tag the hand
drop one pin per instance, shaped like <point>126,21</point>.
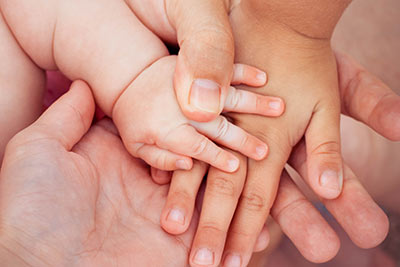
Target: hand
<point>153,127</point>
<point>74,196</point>
<point>291,209</point>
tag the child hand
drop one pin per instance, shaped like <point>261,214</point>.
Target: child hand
<point>154,128</point>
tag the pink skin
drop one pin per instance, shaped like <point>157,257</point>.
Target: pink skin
<point>92,143</point>
<point>92,206</point>
<point>111,59</point>
<point>153,127</point>
<point>363,220</point>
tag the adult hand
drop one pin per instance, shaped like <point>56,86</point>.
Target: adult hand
<point>364,97</point>
<point>74,196</point>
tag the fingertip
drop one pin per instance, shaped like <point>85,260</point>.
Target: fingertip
<point>261,152</point>
<point>270,106</point>
<point>277,105</point>
<point>173,220</point>
<point>184,164</point>
<point>330,184</point>
<point>160,177</point>
<point>262,240</point>
<point>248,75</point>
<point>233,164</point>
<point>387,117</point>
<point>379,229</point>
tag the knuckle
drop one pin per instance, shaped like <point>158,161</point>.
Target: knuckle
<point>219,156</point>
<point>254,201</point>
<point>244,234</point>
<point>199,146</point>
<point>244,141</point>
<point>237,96</point>
<point>220,185</point>
<point>181,195</point>
<point>329,148</point>
<point>212,228</point>
<point>215,37</point>
<point>278,142</point>
<point>222,128</point>
<point>162,161</point>
<point>135,149</point>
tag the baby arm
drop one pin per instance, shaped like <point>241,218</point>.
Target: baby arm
<point>21,88</point>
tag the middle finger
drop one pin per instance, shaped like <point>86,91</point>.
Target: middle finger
<point>220,199</point>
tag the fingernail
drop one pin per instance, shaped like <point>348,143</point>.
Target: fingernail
<point>182,164</point>
<point>233,261</point>
<point>176,215</point>
<point>261,151</point>
<point>159,173</point>
<point>332,180</point>
<point>233,164</point>
<point>275,105</point>
<point>205,95</point>
<point>204,256</point>
<point>261,77</point>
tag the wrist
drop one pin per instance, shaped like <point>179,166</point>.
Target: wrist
<point>314,19</point>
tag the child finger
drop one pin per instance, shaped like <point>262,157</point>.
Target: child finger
<point>225,133</point>
<point>160,158</point>
<point>324,160</point>
<point>159,176</point>
<point>248,75</point>
<point>243,101</point>
<point>187,141</point>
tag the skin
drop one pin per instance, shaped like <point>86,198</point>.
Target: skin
<point>165,134</point>
<point>79,164</point>
<point>109,59</point>
<point>289,53</point>
<point>91,207</point>
<point>321,243</point>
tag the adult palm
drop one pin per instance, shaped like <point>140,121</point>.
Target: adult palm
<point>68,200</point>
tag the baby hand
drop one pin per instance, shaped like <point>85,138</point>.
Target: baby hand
<point>153,127</point>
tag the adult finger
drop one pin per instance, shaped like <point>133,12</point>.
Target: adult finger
<point>178,210</point>
<point>363,220</point>
<point>366,98</point>
<point>263,240</point>
<point>303,224</point>
<point>254,205</point>
<point>219,203</point>
<point>68,119</point>
<point>205,62</point>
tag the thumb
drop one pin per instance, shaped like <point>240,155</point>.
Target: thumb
<point>205,62</point>
<point>68,119</point>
